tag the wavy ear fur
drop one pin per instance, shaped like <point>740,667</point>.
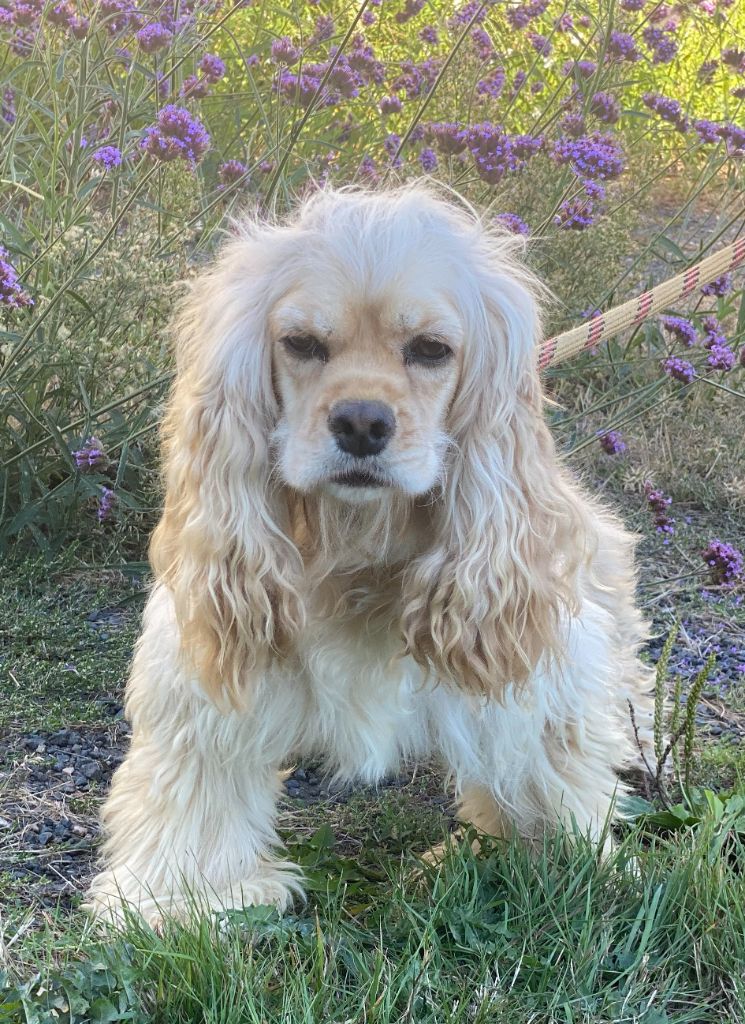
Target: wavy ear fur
<point>222,546</point>
<point>487,600</point>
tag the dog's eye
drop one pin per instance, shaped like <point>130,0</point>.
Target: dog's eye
<point>305,346</point>
<point>426,351</point>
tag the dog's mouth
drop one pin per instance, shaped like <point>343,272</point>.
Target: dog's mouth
<point>359,478</point>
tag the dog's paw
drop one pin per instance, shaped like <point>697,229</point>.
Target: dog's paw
<point>114,902</point>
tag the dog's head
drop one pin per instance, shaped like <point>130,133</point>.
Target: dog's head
<point>375,345</point>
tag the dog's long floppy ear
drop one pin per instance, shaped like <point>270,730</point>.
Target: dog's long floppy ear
<point>222,546</point>
<point>487,600</point>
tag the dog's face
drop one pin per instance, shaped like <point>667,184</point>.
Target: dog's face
<point>365,372</point>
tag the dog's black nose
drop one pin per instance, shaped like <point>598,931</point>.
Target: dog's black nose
<point>362,428</point>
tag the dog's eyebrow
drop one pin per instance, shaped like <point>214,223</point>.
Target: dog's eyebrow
<point>289,319</point>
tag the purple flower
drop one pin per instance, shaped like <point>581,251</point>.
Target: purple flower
<point>513,223</point>
<point>368,169</point>
<point>734,58</point>
<point>449,138</point>
<point>659,504</point>
<point>481,43</point>
<point>734,137</point>
<point>679,369</point>
<point>663,46</point>
<point>540,43</point>
<point>91,457</point>
<point>739,92</point>
<point>303,89</point>
<point>707,131</point>
<point>8,106</point>
<point>391,144</point>
<point>713,333</point>
<point>176,135</point>
<point>580,68</point>
<point>707,71</point>
<point>212,68</point>
<point>725,562</point>
<point>428,160</point>
<point>106,503</point>
<point>564,23</point>
<point>231,171</point>
<point>284,51</point>
<point>474,9</point>
<point>153,37</point>
<point>492,84</point>
<point>362,59</point>
<point>343,78</point>
<point>612,443</point>
<point>108,157</point>
<point>576,214</point>
<point>324,29</point>
<point>573,124</point>
<point>368,17</point>
<point>518,82</point>
<point>593,189</point>
<point>633,5</point>
<point>492,152</point>
<point>194,87</point>
<point>79,27</point>
<point>719,286</point>
<point>605,107</point>
<point>11,292</point>
<point>518,17</point>
<point>410,10</point>
<point>61,15</point>
<point>622,46</point>
<point>595,156</point>
<point>681,329</point>
<point>429,35</point>
<point>721,357</point>
<point>667,109</point>
<point>390,105</point>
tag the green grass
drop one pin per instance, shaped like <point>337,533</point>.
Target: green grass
<point>655,935</point>
<point>57,663</point>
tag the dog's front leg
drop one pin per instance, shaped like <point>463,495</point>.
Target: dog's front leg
<point>189,821</point>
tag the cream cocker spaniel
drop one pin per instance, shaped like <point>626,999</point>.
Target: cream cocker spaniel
<point>369,553</point>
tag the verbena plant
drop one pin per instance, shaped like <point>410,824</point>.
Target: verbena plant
<point>131,132</point>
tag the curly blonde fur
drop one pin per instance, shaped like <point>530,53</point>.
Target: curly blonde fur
<point>449,593</point>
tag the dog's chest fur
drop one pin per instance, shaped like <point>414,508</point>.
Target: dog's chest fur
<point>366,701</point>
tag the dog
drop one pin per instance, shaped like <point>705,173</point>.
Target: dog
<point>370,553</point>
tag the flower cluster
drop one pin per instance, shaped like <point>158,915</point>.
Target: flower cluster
<point>681,329</point>
<point>106,502</point>
<point>91,457</point>
<point>176,135</point>
<point>612,442</point>
<point>725,562</point>
<point>11,292</point>
<point>108,157</point>
<point>679,369</point>
<point>720,286</point>
<point>666,108</point>
<point>597,156</point>
<point>605,107</point>
<point>513,223</point>
<point>658,504</point>
<point>231,171</point>
<point>576,214</point>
